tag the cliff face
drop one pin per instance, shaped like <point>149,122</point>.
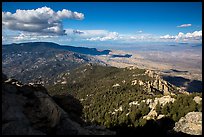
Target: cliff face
<point>157,84</point>
<point>29,110</point>
<point>190,124</point>
<point>161,85</point>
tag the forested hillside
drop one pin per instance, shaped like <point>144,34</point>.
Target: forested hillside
<point>129,97</point>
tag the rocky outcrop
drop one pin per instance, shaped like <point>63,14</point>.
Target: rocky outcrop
<point>151,115</point>
<point>161,85</point>
<point>160,116</point>
<point>162,101</point>
<point>190,124</point>
<point>152,104</point>
<point>197,99</point>
<point>157,84</point>
<point>116,85</point>
<point>30,110</point>
<point>14,121</point>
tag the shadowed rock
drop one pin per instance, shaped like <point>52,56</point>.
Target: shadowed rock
<point>30,110</point>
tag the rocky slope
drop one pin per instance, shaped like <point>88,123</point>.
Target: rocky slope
<point>92,98</point>
<point>191,124</point>
<point>125,97</point>
<point>86,98</point>
<point>42,62</point>
<point>30,110</point>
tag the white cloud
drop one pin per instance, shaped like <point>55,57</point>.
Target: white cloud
<point>27,37</point>
<point>109,36</point>
<point>140,31</point>
<point>184,25</point>
<point>69,14</point>
<point>83,36</point>
<point>92,35</point>
<point>105,35</point>
<point>42,20</point>
<point>194,36</point>
<point>167,37</point>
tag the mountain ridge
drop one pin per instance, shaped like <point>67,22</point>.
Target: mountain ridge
<point>82,50</point>
<point>32,62</point>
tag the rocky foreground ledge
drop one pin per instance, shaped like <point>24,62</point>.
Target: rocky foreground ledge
<point>30,110</point>
<point>190,124</point>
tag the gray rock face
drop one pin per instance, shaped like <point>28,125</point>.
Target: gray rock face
<point>14,121</point>
<point>190,124</point>
<point>159,84</point>
<point>29,110</point>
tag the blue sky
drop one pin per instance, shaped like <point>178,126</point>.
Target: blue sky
<point>105,22</point>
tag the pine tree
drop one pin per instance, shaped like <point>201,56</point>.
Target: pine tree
<point>165,109</point>
<point>158,108</point>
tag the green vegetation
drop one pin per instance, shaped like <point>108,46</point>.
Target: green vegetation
<point>104,103</point>
<point>107,92</point>
<point>158,108</point>
<point>182,105</point>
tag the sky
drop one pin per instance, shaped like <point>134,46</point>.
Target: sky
<point>102,23</point>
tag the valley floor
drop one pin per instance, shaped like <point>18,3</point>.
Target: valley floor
<point>182,69</point>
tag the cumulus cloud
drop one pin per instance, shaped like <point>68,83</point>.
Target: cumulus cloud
<point>194,36</point>
<point>109,36</point>
<point>92,35</point>
<point>184,25</point>
<point>32,37</point>
<point>42,20</point>
<point>105,35</point>
<point>167,37</point>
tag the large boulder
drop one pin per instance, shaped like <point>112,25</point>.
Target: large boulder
<point>30,110</point>
<point>191,124</point>
<point>197,99</point>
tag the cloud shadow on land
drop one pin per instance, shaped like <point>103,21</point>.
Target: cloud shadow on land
<point>175,80</point>
<point>192,86</point>
<point>195,85</point>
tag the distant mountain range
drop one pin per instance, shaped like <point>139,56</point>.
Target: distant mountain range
<point>44,61</point>
<point>34,45</point>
